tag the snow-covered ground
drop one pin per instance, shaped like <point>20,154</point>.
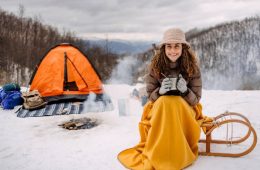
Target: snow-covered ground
<point>39,143</point>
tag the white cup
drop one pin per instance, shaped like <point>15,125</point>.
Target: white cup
<point>174,82</point>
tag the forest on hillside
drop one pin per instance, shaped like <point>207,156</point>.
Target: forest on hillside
<point>24,41</point>
<point>229,54</point>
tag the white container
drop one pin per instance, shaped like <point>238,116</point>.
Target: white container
<point>123,107</point>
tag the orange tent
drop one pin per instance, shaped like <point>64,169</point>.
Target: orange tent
<point>65,73</point>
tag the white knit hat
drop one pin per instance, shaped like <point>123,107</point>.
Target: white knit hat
<point>174,35</point>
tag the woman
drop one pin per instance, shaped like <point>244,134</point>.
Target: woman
<point>170,124</point>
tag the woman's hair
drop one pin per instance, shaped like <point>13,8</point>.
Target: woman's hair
<point>187,62</point>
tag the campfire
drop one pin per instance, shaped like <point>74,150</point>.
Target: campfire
<point>82,123</point>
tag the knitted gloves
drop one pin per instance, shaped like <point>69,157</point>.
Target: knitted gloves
<point>171,84</point>
<point>166,86</point>
<point>182,86</point>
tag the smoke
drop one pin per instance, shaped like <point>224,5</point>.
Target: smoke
<point>96,103</point>
<point>123,73</point>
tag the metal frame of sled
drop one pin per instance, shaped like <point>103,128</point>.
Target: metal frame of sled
<point>219,121</point>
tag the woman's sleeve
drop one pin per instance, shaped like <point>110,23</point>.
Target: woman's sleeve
<point>195,89</point>
<point>152,86</point>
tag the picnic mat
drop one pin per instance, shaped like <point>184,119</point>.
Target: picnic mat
<point>67,108</point>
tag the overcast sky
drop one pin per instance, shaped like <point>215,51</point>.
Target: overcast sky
<point>133,19</point>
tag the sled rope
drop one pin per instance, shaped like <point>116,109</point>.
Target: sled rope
<point>230,139</point>
<point>227,130</point>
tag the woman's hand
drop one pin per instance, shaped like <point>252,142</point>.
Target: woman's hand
<point>182,85</point>
<point>166,86</point>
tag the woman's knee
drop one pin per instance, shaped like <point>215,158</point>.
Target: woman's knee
<point>169,99</point>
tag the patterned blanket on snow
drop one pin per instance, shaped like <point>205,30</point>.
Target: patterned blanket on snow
<point>53,109</point>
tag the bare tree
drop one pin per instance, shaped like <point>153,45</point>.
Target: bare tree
<point>24,41</point>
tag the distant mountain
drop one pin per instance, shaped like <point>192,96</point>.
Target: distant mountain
<point>122,46</point>
<point>229,54</point>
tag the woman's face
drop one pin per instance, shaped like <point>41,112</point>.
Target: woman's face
<point>173,51</point>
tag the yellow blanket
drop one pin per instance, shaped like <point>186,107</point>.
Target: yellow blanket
<point>170,131</point>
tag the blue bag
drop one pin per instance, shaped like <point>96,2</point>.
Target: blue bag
<point>12,99</point>
<point>2,95</point>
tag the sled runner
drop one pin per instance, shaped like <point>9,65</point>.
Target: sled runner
<point>228,119</point>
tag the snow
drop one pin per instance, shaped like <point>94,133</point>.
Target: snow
<point>39,143</point>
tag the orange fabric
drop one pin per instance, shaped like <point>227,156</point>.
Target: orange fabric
<point>169,135</point>
<point>49,77</point>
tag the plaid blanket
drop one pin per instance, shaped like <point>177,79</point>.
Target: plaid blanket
<point>53,109</point>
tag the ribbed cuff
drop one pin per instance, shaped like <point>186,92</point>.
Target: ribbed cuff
<point>185,93</point>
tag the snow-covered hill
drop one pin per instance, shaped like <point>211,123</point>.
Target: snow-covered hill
<point>230,54</point>
<point>39,143</point>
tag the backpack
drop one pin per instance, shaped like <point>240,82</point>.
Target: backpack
<point>11,99</point>
<point>33,100</point>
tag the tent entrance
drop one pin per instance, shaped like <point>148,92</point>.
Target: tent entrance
<point>70,86</point>
<point>69,83</point>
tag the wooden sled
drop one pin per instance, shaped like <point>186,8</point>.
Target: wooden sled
<point>227,119</point>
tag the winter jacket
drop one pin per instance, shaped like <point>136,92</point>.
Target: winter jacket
<point>194,84</point>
